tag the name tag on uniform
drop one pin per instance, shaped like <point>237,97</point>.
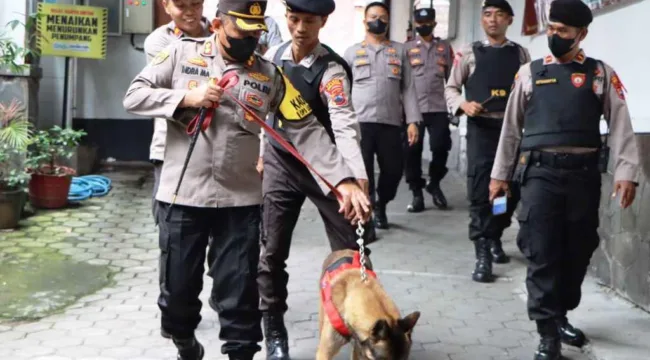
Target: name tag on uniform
<point>546,81</point>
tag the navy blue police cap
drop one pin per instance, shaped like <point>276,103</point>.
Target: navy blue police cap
<point>315,7</point>
<point>424,14</point>
<point>571,12</point>
<point>499,4</point>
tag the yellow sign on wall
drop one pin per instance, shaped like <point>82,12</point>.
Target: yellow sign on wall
<point>72,30</point>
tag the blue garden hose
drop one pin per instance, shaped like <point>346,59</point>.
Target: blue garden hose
<point>85,187</point>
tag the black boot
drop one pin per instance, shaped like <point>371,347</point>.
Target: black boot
<point>570,335</point>
<point>483,271</point>
<point>549,347</point>
<point>165,334</point>
<point>189,349</point>
<point>381,220</point>
<point>439,199</point>
<point>417,204</point>
<point>498,255</point>
<point>243,356</point>
<point>277,342</point>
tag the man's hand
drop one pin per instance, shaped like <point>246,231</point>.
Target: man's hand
<point>260,166</point>
<point>204,96</point>
<point>498,187</point>
<point>413,133</point>
<point>472,108</point>
<point>355,204</point>
<point>627,190</point>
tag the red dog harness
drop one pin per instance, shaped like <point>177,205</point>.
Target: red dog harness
<point>332,271</point>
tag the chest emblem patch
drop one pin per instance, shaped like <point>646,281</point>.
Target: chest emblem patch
<point>578,79</point>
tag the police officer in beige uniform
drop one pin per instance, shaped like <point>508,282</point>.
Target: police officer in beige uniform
<point>221,192</point>
<point>186,21</point>
<point>323,79</point>
<point>431,59</point>
<point>486,69</point>
<point>382,87</point>
<point>557,103</point>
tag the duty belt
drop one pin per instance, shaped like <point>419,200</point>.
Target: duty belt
<point>563,160</point>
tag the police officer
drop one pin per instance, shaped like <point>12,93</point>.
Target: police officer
<point>381,89</point>
<point>557,102</point>
<point>323,79</point>
<point>431,59</point>
<point>486,69</point>
<point>221,193</point>
<point>186,21</point>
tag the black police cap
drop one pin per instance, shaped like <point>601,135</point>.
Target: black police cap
<point>424,14</point>
<point>316,7</point>
<point>571,13</point>
<point>499,4</point>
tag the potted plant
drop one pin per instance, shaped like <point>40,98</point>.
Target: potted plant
<point>15,136</point>
<point>50,183</point>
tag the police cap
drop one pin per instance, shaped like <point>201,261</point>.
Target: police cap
<point>377,3</point>
<point>315,7</point>
<point>499,4</point>
<point>571,12</point>
<point>424,14</point>
<point>249,15</point>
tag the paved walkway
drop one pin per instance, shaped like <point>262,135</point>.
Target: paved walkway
<point>424,261</point>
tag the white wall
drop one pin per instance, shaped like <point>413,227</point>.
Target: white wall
<point>617,38</point>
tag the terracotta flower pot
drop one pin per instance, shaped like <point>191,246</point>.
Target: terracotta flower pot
<point>50,191</point>
<point>11,208</point>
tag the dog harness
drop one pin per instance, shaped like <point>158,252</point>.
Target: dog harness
<point>331,272</point>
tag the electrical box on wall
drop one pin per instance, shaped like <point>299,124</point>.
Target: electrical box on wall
<point>128,16</point>
<point>138,16</point>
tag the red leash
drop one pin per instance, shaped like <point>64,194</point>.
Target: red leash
<point>231,79</point>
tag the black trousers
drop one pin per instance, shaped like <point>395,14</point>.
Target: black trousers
<point>437,124</point>
<point>482,141</point>
<point>286,185</point>
<point>183,243</point>
<point>385,141</point>
<point>558,233</point>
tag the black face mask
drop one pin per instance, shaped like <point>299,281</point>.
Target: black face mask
<point>241,49</point>
<point>377,27</point>
<point>560,46</point>
<point>424,30</point>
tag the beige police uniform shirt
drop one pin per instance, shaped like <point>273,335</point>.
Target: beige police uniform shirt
<point>431,63</point>
<point>221,172</point>
<point>383,85</point>
<point>153,44</point>
<point>607,86</point>
<point>463,67</point>
<point>335,92</point>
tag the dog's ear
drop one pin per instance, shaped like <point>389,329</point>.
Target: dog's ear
<point>408,323</point>
<point>381,330</point>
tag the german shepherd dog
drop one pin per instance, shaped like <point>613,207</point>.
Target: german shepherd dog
<point>360,312</point>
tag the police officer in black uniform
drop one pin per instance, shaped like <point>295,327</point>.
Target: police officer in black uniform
<point>553,120</point>
<point>324,81</point>
<point>486,69</point>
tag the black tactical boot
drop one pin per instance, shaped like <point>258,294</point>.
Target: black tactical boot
<point>189,349</point>
<point>381,220</point>
<point>550,347</point>
<point>570,335</point>
<point>240,356</point>
<point>277,342</point>
<point>439,199</point>
<point>417,204</point>
<point>483,271</point>
<point>498,255</point>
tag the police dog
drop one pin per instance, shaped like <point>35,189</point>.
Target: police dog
<point>362,311</point>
